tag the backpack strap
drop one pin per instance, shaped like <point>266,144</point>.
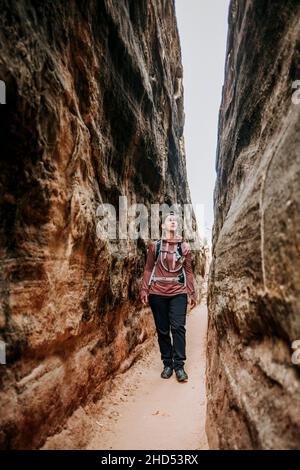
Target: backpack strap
<point>158,245</point>
<point>179,248</point>
<point>157,248</point>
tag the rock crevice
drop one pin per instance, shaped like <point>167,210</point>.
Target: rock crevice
<point>254,284</point>
<point>93,112</point>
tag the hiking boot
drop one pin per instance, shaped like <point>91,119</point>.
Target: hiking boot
<point>181,375</point>
<point>167,372</point>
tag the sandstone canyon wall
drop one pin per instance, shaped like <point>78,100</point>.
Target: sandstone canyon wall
<point>254,280</point>
<point>94,111</point>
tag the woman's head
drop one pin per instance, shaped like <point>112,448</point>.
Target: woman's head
<point>170,222</point>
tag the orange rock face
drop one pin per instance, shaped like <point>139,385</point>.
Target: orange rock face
<point>94,110</point>
<point>254,284</point>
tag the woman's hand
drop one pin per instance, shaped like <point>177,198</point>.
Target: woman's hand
<point>144,299</point>
<point>192,302</point>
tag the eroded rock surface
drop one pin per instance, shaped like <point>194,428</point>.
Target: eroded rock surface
<point>254,282</point>
<point>94,111</point>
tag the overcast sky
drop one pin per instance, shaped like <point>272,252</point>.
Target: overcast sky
<point>202,26</point>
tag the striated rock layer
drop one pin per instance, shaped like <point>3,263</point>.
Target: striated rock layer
<point>94,110</point>
<point>254,281</point>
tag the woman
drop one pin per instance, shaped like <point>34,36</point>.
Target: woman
<point>168,285</point>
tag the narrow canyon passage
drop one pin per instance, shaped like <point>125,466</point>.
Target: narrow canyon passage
<point>93,124</point>
<point>144,411</point>
<point>94,116</point>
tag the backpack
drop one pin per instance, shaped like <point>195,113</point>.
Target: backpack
<point>181,276</point>
<point>158,245</point>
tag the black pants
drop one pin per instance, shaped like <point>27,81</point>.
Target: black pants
<point>170,311</point>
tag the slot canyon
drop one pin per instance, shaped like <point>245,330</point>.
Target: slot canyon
<point>95,111</point>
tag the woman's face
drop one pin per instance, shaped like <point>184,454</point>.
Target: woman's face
<point>171,223</point>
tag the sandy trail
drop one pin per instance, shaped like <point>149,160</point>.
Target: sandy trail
<point>160,414</point>
<point>141,410</point>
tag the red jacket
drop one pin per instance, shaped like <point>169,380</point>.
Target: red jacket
<point>168,287</point>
